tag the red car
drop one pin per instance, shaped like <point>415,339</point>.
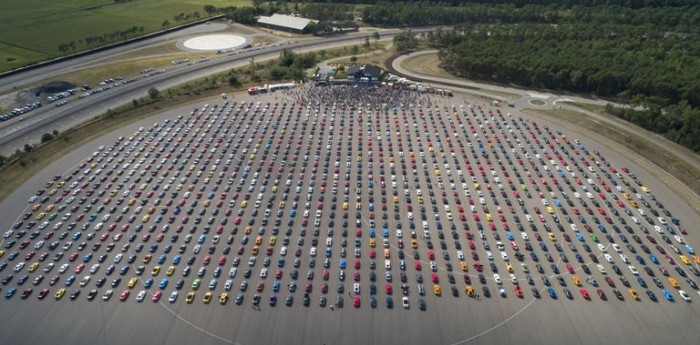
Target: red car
<point>601,294</point>
<point>156,296</point>
<point>356,301</point>
<point>43,293</point>
<point>388,289</point>
<point>585,293</point>
<point>434,277</point>
<point>125,295</point>
<point>417,265</point>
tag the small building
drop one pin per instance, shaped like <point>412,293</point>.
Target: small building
<point>283,22</point>
<point>363,73</point>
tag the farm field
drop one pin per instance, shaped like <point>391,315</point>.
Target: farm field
<point>32,30</point>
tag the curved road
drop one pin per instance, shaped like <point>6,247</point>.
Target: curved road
<point>552,101</point>
<point>18,134</point>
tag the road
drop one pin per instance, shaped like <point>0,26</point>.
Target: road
<point>16,135</point>
<point>551,101</point>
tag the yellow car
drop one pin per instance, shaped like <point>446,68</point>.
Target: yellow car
<point>552,237</point>
<point>695,258</point>
<point>645,189</point>
<point>684,259</point>
<point>420,199</point>
<point>273,240</point>
<point>437,172</point>
<point>577,280</point>
<point>436,290</point>
<point>469,290</point>
<point>132,201</point>
<point>223,298</point>
<point>274,189</point>
<point>372,243</point>
<point>244,203</point>
<point>60,293</point>
<point>489,217</point>
<point>33,267</point>
<point>634,204</point>
<point>626,196</point>
<point>550,210</point>
<point>49,208</point>
<point>509,267</point>
<point>396,200</point>
<point>282,204</point>
<point>155,270</point>
<point>147,258</point>
<point>258,240</point>
<point>146,218</point>
<point>170,271</point>
<point>414,244</point>
<point>190,297</point>
<point>2,253</point>
<point>633,294</point>
<point>40,216</point>
<point>345,206</point>
<point>673,283</point>
<point>207,298</point>
<point>358,205</point>
<point>464,266</point>
<point>132,282</point>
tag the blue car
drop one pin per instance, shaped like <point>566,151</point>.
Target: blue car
<point>580,237</point>
<point>276,286</point>
<point>161,259</point>
<point>689,250</point>
<point>163,283</point>
<point>654,259</point>
<point>70,280</point>
<point>176,259</point>
<point>148,283</point>
<point>667,295</point>
<point>373,301</point>
<point>641,282</point>
<point>389,302</point>
<point>551,292</point>
<point>372,233</point>
<point>87,257</point>
<point>385,233</point>
<point>11,292</point>
<point>342,264</point>
<point>510,236</point>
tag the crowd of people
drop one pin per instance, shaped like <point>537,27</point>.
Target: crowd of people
<point>357,95</point>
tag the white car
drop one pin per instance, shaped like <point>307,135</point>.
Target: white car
<point>497,278</point>
<point>387,264</point>
<point>141,296</point>
<point>63,268</point>
<point>684,295</point>
<point>173,297</point>
<point>404,302</point>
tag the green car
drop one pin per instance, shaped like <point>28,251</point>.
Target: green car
<point>594,238</point>
<point>195,284</point>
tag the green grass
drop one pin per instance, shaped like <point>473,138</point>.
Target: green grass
<point>31,30</point>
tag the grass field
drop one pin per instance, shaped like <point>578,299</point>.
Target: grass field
<point>31,30</point>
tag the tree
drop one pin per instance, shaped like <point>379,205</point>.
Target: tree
<point>165,23</point>
<point>28,148</point>
<point>153,93</point>
<point>353,59</point>
<point>210,9</point>
<point>233,81</point>
<point>46,137</point>
<point>376,36</point>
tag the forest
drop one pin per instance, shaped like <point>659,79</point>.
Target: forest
<point>647,57</point>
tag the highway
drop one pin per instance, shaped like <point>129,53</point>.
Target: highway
<point>19,133</point>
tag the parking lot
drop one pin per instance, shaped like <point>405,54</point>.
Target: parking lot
<point>403,204</point>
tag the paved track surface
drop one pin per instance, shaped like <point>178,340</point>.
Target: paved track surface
<point>447,320</point>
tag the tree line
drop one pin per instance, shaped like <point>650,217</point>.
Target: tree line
<point>609,52</point>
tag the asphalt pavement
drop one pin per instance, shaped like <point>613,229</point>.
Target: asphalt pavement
<point>360,132</point>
